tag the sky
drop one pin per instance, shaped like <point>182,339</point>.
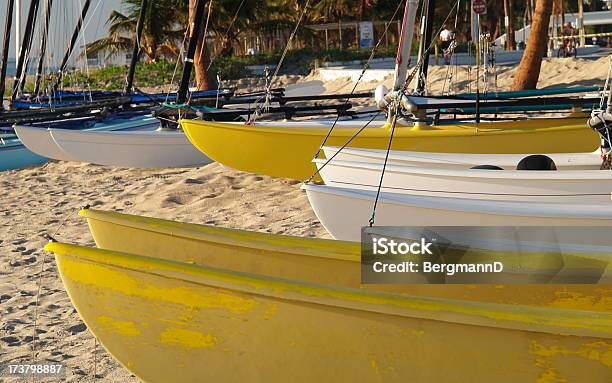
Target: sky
<point>64,16</point>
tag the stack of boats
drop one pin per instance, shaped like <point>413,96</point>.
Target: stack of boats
<point>486,190</point>
<point>182,302</point>
<point>160,295</point>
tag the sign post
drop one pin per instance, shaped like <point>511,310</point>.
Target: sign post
<point>479,7</point>
<point>366,34</point>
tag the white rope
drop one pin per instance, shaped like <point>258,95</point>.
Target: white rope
<point>85,46</point>
<point>210,3</point>
<point>225,35</point>
<point>366,66</point>
<point>82,35</point>
<point>606,86</point>
<point>267,95</point>
<point>178,58</point>
<point>421,59</point>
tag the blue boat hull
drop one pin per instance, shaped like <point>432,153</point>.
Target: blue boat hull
<point>72,98</point>
<point>17,156</point>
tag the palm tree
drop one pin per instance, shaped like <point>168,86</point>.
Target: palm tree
<point>202,55</point>
<point>164,28</point>
<point>232,19</point>
<point>528,71</point>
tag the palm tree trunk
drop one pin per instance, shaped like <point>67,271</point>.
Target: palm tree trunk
<point>529,69</point>
<point>363,9</point>
<point>204,80</point>
<point>509,13</point>
<point>496,20</point>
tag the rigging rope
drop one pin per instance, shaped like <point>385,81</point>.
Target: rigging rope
<point>267,96</point>
<point>179,58</point>
<point>449,67</point>
<point>406,83</point>
<point>86,59</point>
<point>396,115</point>
<point>343,146</point>
<point>203,46</point>
<point>39,281</point>
<point>421,60</point>
<point>225,35</point>
<point>607,86</point>
<point>396,106</point>
<point>382,174</point>
<point>82,35</point>
<point>366,66</point>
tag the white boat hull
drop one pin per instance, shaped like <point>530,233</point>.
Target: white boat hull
<point>344,211</point>
<point>571,186</point>
<point>150,149</point>
<point>575,161</point>
<point>40,141</point>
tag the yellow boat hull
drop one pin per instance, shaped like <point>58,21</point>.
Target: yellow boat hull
<point>311,260</point>
<point>287,150</point>
<point>170,321</point>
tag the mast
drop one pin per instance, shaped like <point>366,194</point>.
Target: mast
<point>426,38</point>
<point>70,48</point>
<point>405,43</point>
<point>26,63</point>
<point>581,23</point>
<point>43,47</point>
<point>25,43</point>
<point>136,51</point>
<point>5,48</point>
<point>194,33</point>
<point>403,58</point>
<point>17,28</point>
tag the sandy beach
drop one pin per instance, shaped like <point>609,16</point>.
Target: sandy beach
<point>38,322</point>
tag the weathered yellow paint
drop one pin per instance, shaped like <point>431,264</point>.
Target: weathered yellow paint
<point>318,261</point>
<point>374,366</point>
<point>120,327</point>
<point>108,278</point>
<point>597,351</point>
<point>103,277</point>
<point>550,376</point>
<point>578,301</point>
<point>322,333</point>
<point>115,280</point>
<point>270,311</point>
<point>188,338</point>
<point>296,145</point>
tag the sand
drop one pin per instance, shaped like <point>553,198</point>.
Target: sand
<point>46,199</point>
<point>37,320</point>
<point>557,72</point>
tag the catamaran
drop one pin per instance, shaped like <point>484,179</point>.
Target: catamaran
<point>570,186</point>
<point>562,161</point>
<point>154,273</point>
<point>298,142</point>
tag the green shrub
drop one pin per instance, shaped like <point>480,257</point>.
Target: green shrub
<point>160,72</point>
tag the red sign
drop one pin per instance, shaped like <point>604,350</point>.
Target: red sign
<point>479,6</point>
